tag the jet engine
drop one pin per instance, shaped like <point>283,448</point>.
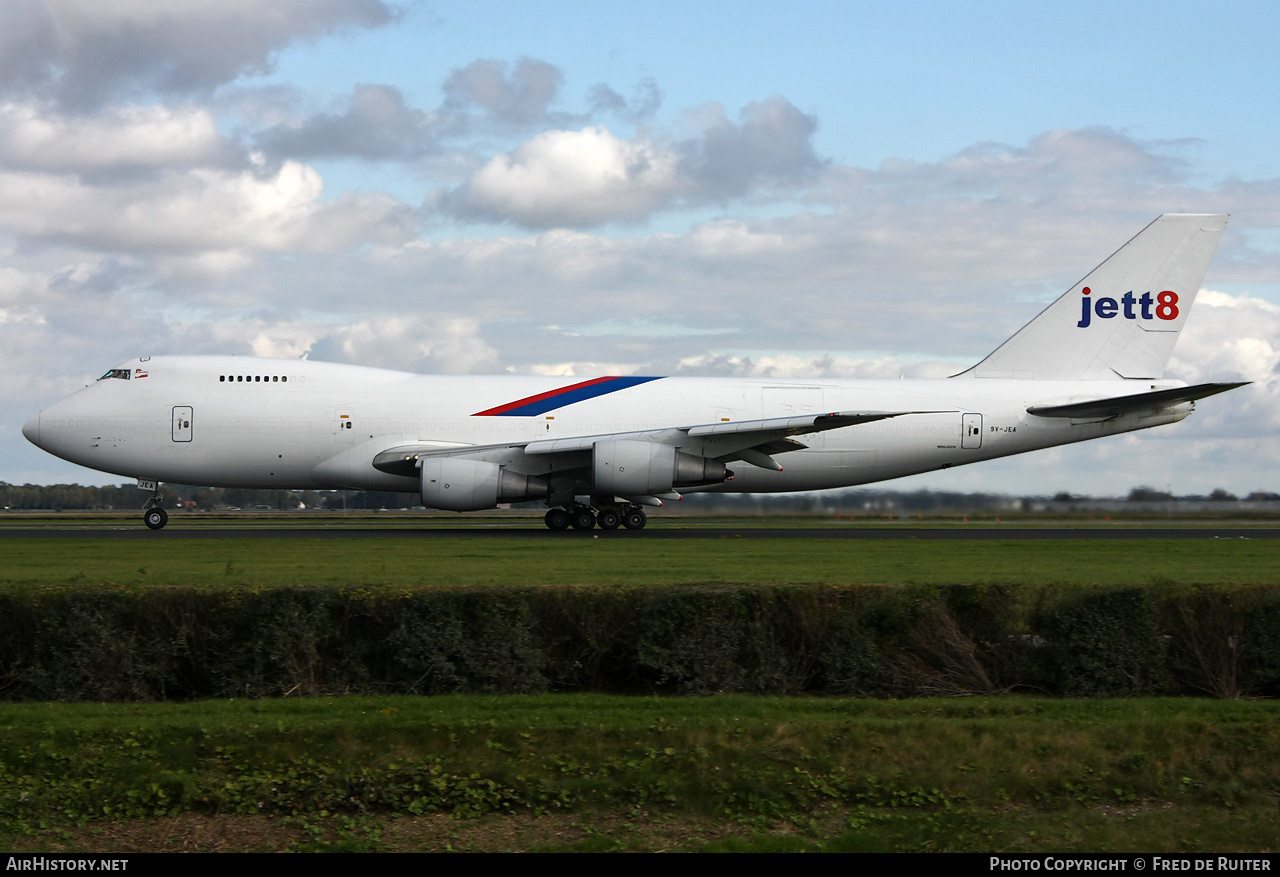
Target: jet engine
<point>625,467</point>
<point>458,484</point>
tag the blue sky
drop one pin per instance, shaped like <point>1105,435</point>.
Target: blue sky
<point>916,81</point>
<point>779,190</point>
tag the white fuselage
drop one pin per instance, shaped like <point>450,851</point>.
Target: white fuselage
<point>268,423</point>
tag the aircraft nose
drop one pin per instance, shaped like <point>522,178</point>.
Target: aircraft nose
<point>31,429</point>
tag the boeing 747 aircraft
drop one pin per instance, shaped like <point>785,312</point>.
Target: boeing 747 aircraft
<point>599,451</point>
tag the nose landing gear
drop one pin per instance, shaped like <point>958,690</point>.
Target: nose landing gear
<point>153,515</point>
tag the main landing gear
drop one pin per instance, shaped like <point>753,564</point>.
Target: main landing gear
<point>583,517</point>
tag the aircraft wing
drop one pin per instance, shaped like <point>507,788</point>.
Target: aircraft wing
<point>750,440</point>
<point>741,433</point>
<point>1113,406</point>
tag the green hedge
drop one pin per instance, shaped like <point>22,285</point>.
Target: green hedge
<point>113,644</point>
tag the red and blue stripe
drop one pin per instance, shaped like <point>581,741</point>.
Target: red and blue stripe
<point>531,406</point>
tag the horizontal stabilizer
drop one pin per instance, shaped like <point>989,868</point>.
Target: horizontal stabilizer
<point>1113,406</point>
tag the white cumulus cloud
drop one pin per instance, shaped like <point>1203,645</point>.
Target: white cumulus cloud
<point>37,137</point>
<point>448,345</point>
<point>572,178</point>
<point>591,177</point>
<point>86,53</point>
<point>196,211</point>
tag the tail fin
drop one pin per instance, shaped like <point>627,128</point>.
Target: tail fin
<point>1124,318</point>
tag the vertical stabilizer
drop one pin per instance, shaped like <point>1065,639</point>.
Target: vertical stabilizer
<point>1124,318</point>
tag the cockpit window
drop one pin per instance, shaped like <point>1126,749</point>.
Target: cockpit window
<point>121,373</point>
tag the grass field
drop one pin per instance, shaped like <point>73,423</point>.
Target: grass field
<point>1014,774</point>
<point>602,772</point>
<point>534,561</point>
<point>594,772</point>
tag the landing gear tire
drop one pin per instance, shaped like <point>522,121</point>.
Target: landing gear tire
<point>557,519</point>
<point>583,518</point>
<point>609,519</point>
<point>155,518</point>
<point>634,519</point>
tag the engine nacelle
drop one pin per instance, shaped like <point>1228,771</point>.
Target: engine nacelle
<point>625,467</point>
<point>458,484</point>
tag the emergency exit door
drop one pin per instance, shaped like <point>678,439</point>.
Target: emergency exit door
<point>971,424</point>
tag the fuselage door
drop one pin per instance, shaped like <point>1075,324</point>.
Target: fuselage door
<point>342,418</point>
<point>971,437</point>
<point>182,415</point>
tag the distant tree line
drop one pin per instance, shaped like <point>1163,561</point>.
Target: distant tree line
<point>127,496</point>
<point>852,502</point>
<point>1150,494</point>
